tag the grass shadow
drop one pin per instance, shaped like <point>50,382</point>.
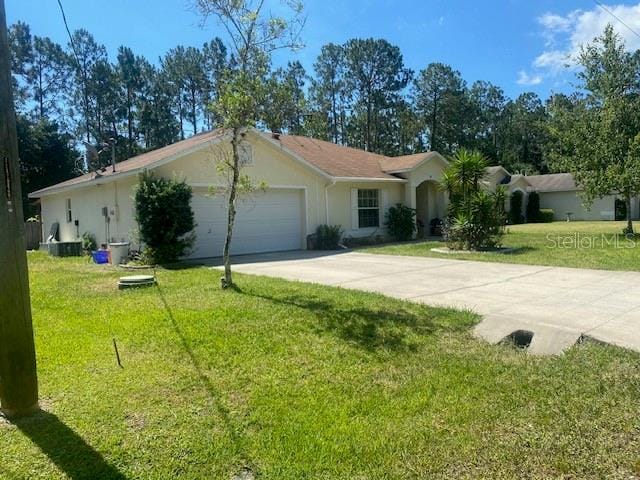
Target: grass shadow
<point>64,447</point>
<point>375,328</point>
<point>246,259</point>
<point>521,250</point>
<point>214,395</point>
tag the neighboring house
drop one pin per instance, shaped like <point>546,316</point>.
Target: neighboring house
<point>558,192</point>
<point>310,182</point>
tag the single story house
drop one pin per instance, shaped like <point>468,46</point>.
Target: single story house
<point>309,182</point>
<point>559,192</point>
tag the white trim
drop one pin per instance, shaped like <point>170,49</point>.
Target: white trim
<point>355,215</point>
<point>369,179</point>
<point>326,199</point>
<point>206,185</point>
<point>429,156</point>
<point>120,175</point>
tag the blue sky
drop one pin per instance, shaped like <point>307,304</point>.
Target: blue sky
<point>521,45</point>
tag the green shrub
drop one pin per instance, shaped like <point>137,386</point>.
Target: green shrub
<point>533,207</point>
<point>165,217</point>
<point>546,215</point>
<point>515,207</point>
<point>328,237</point>
<point>477,229</point>
<point>401,222</point>
<point>89,243</point>
<point>476,217</point>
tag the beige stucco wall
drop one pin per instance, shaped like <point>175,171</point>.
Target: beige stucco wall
<point>86,207</point>
<point>341,211</point>
<point>271,165</point>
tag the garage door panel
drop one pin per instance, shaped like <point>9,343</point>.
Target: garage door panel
<point>270,221</point>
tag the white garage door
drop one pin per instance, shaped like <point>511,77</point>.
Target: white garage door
<point>268,222</point>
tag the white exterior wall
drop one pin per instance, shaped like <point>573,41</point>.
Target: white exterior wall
<point>563,202</point>
<point>86,207</point>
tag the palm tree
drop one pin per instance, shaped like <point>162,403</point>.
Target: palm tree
<point>462,179</point>
<point>476,215</point>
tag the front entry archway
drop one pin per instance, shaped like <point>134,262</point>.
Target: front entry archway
<point>430,205</point>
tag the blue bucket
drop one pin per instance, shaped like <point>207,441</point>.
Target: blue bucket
<point>100,256</point>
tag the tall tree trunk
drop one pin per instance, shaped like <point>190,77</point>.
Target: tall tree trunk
<point>129,121</point>
<point>368,129</point>
<point>334,117</point>
<point>193,111</point>
<point>40,94</point>
<point>434,118</point>
<point>18,379</point>
<point>629,221</point>
<point>227,280</point>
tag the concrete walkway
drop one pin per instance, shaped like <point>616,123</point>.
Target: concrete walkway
<point>559,305</point>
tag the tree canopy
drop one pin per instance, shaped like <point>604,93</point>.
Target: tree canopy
<point>359,93</point>
<point>596,133</point>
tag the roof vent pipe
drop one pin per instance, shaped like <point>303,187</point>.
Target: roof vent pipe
<point>112,141</point>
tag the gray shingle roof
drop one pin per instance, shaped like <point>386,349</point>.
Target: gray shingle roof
<point>552,182</point>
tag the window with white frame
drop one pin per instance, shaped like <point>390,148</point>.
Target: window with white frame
<point>69,214</point>
<point>368,208</point>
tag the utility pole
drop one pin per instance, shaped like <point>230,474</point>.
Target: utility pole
<point>18,379</point>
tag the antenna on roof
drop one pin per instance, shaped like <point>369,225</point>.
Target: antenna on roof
<point>93,154</point>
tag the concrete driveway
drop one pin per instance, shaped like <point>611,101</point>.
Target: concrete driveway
<point>559,305</point>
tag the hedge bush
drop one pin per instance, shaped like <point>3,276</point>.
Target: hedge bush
<point>546,215</point>
<point>401,222</point>
<point>328,237</point>
<point>515,207</point>
<point>165,217</point>
<point>533,207</point>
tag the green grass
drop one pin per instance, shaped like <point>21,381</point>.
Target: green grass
<point>296,381</point>
<point>598,245</point>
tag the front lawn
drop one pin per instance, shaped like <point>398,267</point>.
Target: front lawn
<point>295,381</point>
<point>598,245</point>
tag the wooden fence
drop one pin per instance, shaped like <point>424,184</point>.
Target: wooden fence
<point>33,234</point>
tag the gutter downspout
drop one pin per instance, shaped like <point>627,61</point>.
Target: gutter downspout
<point>326,198</point>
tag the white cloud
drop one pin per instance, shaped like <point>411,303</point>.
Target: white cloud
<point>564,36</point>
<point>525,79</point>
<point>555,22</point>
<point>553,60</point>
